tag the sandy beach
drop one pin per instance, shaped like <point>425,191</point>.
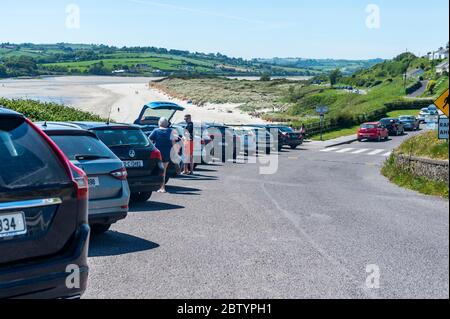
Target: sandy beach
<point>123,97</point>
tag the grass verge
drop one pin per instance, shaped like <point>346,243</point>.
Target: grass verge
<point>405,179</point>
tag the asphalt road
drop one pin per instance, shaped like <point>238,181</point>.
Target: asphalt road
<point>308,231</point>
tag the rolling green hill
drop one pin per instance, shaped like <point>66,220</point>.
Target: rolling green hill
<point>76,59</point>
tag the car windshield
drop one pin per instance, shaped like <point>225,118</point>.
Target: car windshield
<point>368,126</point>
<point>123,137</point>
<point>79,146</point>
<point>387,121</point>
<point>27,160</point>
<point>407,118</point>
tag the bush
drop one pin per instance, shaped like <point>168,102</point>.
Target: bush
<point>37,111</point>
<point>431,86</point>
<point>413,87</point>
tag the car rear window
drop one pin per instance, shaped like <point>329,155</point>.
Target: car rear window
<point>74,146</point>
<point>123,137</point>
<point>369,126</point>
<point>26,160</point>
<point>407,118</point>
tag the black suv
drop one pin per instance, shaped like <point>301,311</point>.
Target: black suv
<point>141,158</point>
<point>394,126</point>
<point>44,231</point>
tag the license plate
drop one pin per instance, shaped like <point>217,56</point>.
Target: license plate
<point>133,164</point>
<point>93,182</point>
<point>12,224</point>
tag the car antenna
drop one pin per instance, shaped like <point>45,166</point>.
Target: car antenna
<point>45,124</point>
<point>109,116</point>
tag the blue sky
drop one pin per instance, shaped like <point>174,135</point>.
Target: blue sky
<point>245,28</point>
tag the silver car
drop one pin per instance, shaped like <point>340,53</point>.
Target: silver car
<point>109,193</point>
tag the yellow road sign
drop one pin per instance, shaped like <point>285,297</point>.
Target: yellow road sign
<point>442,103</point>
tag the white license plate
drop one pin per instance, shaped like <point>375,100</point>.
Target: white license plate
<point>12,224</point>
<point>93,182</point>
<point>133,164</point>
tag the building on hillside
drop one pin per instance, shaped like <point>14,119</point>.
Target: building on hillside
<point>441,54</point>
<point>443,67</point>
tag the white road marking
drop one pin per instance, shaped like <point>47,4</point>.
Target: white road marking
<point>345,150</point>
<point>331,149</point>
<point>361,151</point>
<point>376,152</point>
<point>387,154</point>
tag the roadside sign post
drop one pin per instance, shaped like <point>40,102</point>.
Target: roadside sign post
<point>443,128</point>
<point>322,110</point>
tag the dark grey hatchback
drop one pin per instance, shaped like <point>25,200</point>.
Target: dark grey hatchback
<point>140,157</point>
<point>44,231</point>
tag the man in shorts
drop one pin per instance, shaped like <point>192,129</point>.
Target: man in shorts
<point>189,146</point>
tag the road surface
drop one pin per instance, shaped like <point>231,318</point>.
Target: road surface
<point>309,231</point>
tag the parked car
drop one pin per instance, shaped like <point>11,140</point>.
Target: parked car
<point>141,158</point>
<point>224,138</point>
<point>109,193</point>
<point>286,135</point>
<point>394,126</point>
<point>410,123</point>
<point>43,214</point>
<point>373,131</point>
<point>426,112</point>
<point>201,138</point>
<point>255,140</point>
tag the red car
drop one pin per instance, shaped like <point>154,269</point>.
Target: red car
<point>373,131</point>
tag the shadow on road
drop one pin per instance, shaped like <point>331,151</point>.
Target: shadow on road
<point>153,207</point>
<point>114,244</point>
<point>180,190</point>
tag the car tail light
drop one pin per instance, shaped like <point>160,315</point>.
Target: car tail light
<point>120,174</point>
<point>202,142</point>
<point>156,154</point>
<point>80,180</point>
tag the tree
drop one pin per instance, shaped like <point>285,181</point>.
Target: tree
<point>335,76</point>
<point>3,72</point>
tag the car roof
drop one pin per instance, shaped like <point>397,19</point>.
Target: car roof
<point>10,113</point>
<point>63,128</point>
<point>371,123</point>
<point>102,125</point>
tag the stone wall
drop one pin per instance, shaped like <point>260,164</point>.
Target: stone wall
<point>437,170</point>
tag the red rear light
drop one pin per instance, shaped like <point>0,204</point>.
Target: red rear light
<point>203,142</point>
<point>120,174</point>
<point>156,154</point>
<point>81,182</point>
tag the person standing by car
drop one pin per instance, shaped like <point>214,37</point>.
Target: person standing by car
<point>189,146</point>
<point>164,140</point>
<point>303,130</point>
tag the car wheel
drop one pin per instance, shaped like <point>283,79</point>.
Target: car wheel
<point>99,229</point>
<point>294,147</point>
<point>141,197</point>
